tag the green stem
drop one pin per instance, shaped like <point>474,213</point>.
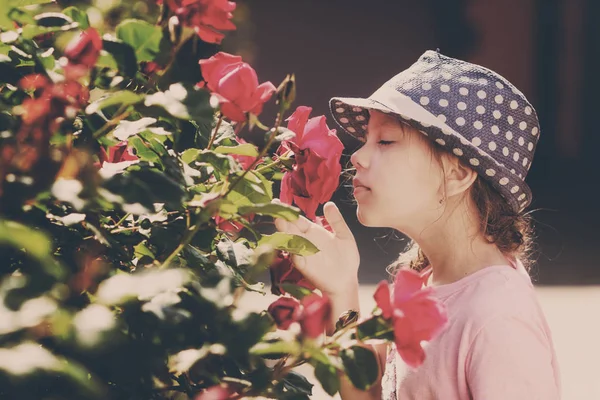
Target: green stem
<point>214,133</point>
<point>191,232</point>
<point>112,122</point>
<point>132,228</point>
<point>122,220</point>
<point>270,165</point>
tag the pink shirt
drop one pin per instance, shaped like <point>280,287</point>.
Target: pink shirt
<point>497,345</point>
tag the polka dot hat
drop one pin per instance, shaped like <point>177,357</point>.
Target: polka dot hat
<point>466,109</point>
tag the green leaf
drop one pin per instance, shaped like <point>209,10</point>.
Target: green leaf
<point>296,291</point>
<point>190,155</point>
<point>234,254</point>
<point>31,31</point>
<point>279,348</point>
<point>184,102</point>
<point>126,129</point>
<point>146,152</point>
<point>122,97</point>
<point>35,243</point>
<point>328,377</point>
<point>46,58</point>
<point>52,19</point>
<point>297,383</point>
<point>252,189</point>
<point>246,149</point>
<point>21,17</point>
<point>360,364</point>
<point>20,236</point>
<point>119,54</point>
<point>78,16</point>
<point>285,211</point>
<point>106,60</point>
<point>147,186</point>
<point>197,260</point>
<point>141,250</point>
<point>293,243</point>
<point>23,3</point>
<point>375,328</point>
<point>146,39</point>
<point>221,162</point>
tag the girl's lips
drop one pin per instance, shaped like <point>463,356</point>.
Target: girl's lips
<point>360,189</point>
<point>357,183</point>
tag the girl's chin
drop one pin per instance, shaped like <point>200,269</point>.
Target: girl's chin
<point>365,216</point>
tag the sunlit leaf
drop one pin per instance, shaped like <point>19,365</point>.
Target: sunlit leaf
<point>246,149</point>
<point>78,16</point>
<point>146,39</point>
<point>285,211</point>
<point>277,348</point>
<point>123,98</point>
<point>288,242</point>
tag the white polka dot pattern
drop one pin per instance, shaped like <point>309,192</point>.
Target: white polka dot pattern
<point>476,114</point>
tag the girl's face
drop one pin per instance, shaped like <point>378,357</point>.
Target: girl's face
<point>403,183</point>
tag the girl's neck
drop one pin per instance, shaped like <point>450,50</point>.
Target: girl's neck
<point>456,249</point>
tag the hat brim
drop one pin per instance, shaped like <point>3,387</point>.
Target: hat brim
<point>352,115</point>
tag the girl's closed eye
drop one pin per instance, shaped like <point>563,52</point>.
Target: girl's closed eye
<point>385,142</point>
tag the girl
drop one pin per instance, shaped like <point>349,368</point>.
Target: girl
<point>447,145</point>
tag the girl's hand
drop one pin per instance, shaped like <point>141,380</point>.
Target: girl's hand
<point>335,266</point>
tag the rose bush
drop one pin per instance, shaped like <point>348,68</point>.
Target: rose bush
<point>134,216</point>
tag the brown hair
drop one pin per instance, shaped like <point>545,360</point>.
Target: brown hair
<point>510,231</point>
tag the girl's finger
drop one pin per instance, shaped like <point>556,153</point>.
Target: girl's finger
<point>287,227</point>
<point>281,224</point>
<point>302,224</point>
<point>299,262</point>
<point>336,221</point>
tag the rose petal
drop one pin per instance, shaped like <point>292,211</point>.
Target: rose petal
<point>232,111</point>
<point>297,122</point>
<point>383,299</point>
<point>406,283</point>
<point>315,316</point>
<point>208,35</point>
<point>261,95</point>
<point>217,66</point>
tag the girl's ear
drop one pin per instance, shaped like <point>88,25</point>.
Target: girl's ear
<point>458,176</point>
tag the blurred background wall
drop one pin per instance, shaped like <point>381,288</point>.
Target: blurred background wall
<point>550,49</point>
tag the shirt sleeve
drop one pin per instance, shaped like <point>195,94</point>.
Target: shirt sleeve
<point>512,358</point>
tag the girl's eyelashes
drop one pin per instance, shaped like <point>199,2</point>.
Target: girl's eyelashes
<point>385,142</point>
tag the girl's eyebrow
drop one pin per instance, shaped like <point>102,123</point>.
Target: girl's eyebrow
<point>384,124</point>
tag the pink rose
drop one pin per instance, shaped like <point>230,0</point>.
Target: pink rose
<point>118,153</point>
<point>316,313</point>
<point>85,48</point>
<point>206,17</point>
<point>217,392</point>
<point>235,85</point>
<point>285,311</point>
<point>414,313</point>
<point>313,313</point>
<point>283,271</point>
<point>317,150</point>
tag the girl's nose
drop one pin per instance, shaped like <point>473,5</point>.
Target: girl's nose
<point>360,158</point>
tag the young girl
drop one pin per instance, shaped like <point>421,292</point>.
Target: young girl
<point>447,145</point>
